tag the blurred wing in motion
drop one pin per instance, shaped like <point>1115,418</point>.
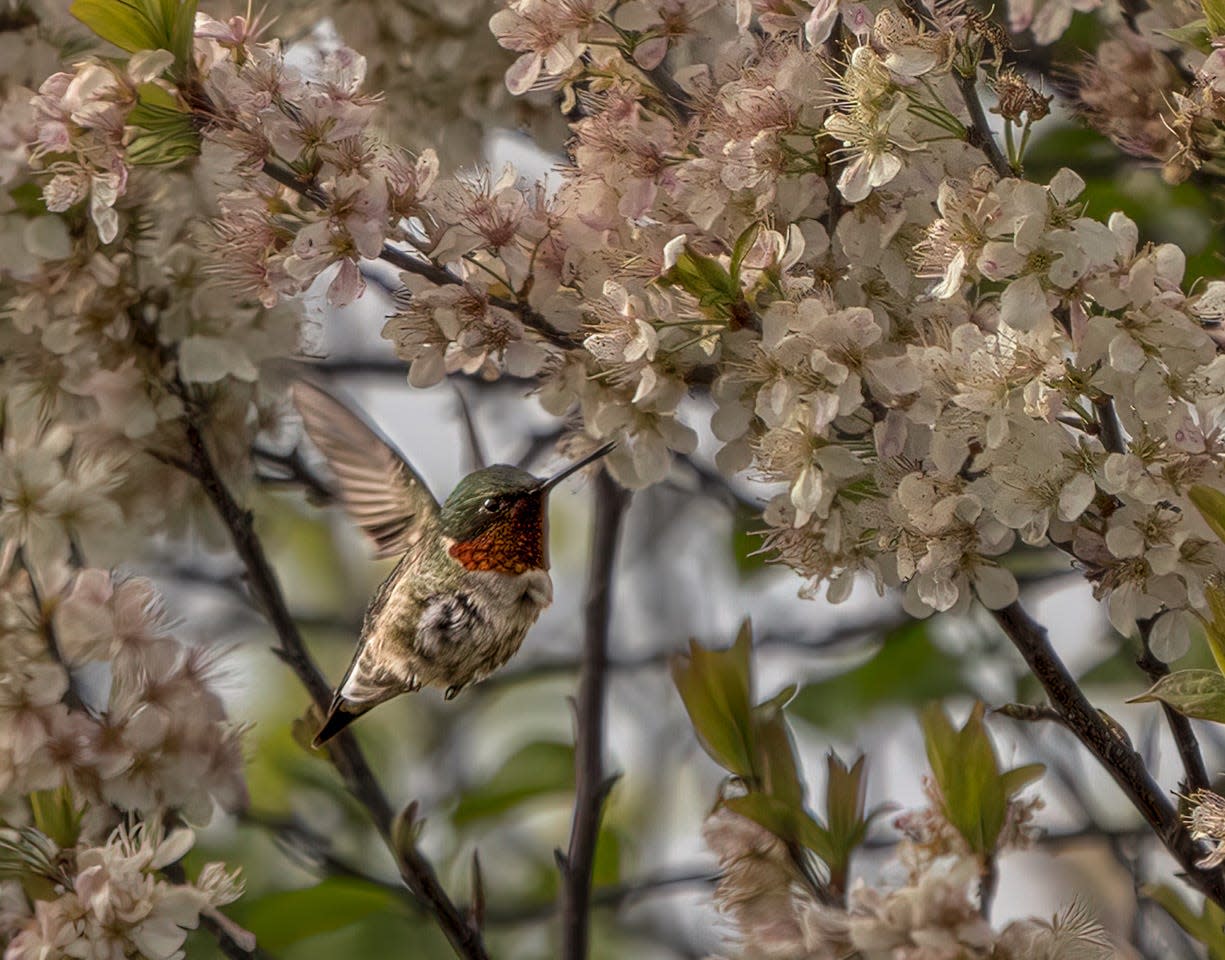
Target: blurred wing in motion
<point>377,486</point>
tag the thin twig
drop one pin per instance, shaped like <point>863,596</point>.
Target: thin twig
<point>1109,429</point>
<point>296,471</point>
<point>476,449</point>
<point>988,880</point>
<point>226,943</point>
<point>1195,774</point>
<point>46,628</point>
<point>610,898</point>
<point>978,134</point>
<point>1120,760</point>
<point>591,784</point>
<point>344,752</point>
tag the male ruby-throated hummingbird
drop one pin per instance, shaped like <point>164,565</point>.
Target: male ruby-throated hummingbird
<point>473,574</point>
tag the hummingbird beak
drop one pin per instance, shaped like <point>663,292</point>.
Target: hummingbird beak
<point>575,467</point>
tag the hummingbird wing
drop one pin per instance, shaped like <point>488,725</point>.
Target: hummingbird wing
<point>378,487</point>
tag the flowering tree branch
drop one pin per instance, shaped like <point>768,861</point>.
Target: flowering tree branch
<point>591,783</point>
<point>1196,774</point>
<point>345,754</point>
<point>423,267</point>
<point>1121,761</point>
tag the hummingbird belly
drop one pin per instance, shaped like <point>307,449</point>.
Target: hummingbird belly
<point>466,630</point>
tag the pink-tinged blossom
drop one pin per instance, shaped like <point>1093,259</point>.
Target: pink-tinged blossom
<point>1047,19</point>
<point>549,37</point>
<point>119,905</point>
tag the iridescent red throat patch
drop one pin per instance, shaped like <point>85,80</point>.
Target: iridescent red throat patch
<point>512,543</point>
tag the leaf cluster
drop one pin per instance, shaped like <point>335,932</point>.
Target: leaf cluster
<point>136,25</point>
<point>753,742</point>
<point>974,791</point>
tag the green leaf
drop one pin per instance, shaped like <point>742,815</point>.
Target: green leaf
<point>606,862</point>
<point>537,769</point>
<point>120,22</point>
<point>706,280</point>
<point>58,815</point>
<point>746,542</point>
<point>182,22</point>
<point>907,669</point>
<point>1206,927</point>
<point>1214,629</point>
<point>1199,694</point>
<point>845,794</point>
<point>168,131</point>
<point>715,686</point>
<point>136,25</point>
<point>288,916</point>
<point>845,801</point>
<point>967,772</point>
<point>744,243</point>
<point>779,774</point>
<point>1210,503</point>
<point>1018,778</point>
<point>1214,13</point>
<point>28,199</point>
<point>787,822</point>
<point>1195,34</point>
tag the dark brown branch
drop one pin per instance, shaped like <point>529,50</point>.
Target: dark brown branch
<point>672,93</point>
<point>979,133</point>
<point>295,471</point>
<point>1195,774</point>
<point>344,752</point>
<point>591,784</point>
<point>1110,431</point>
<point>1121,761</point>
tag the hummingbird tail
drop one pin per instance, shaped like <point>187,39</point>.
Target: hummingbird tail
<point>341,714</point>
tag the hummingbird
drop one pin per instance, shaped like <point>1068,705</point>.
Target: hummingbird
<point>473,573</point>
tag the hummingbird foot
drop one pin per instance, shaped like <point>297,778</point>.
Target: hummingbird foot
<point>453,692</point>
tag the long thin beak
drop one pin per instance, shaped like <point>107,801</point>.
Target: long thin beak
<point>575,467</point>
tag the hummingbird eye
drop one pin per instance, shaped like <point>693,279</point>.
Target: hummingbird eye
<point>492,505</point>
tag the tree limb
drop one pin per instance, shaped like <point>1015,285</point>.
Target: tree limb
<point>1120,760</point>
<point>591,784</point>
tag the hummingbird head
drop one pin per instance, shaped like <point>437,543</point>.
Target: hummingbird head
<point>496,517</point>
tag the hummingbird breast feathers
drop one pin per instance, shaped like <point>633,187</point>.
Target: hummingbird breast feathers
<point>448,634</point>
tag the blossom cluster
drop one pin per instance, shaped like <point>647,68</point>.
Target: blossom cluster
<point>936,358</point>
<point>932,915</point>
<point>110,901</point>
<point>113,328</point>
<point>439,64</point>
